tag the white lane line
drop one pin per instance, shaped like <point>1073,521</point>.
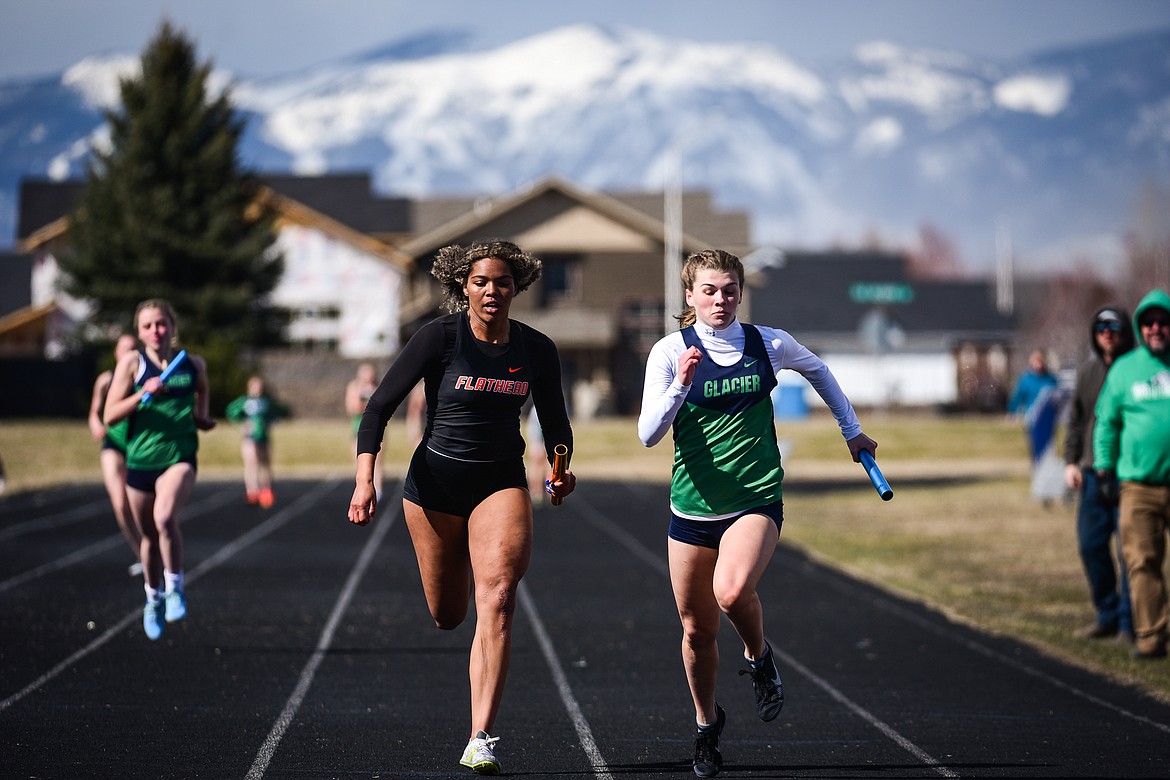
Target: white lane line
<point>55,520</point>
<point>660,564</point>
<point>292,706</point>
<point>867,716</point>
<point>63,562</point>
<point>584,734</point>
<point>190,512</point>
<point>986,651</point>
<point>273,523</point>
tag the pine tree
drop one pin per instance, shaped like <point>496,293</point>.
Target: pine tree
<point>168,212</point>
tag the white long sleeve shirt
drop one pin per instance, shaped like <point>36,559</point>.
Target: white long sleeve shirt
<point>663,395</point>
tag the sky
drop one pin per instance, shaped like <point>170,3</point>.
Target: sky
<point>256,38</point>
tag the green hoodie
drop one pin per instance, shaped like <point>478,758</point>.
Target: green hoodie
<point>1132,436</point>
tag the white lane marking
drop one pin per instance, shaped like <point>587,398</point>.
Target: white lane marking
<point>55,520</point>
<point>953,636</point>
<point>190,512</point>
<point>584,734</point>
<point>983,650</point>
<point>637,548</point>
<point>273,523</point>
<point>292,706</point>
<point>868,717</point>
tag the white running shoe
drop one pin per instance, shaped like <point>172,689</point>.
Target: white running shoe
<point>152,619</point>
<point>176,608</point>
<point>479,755</point>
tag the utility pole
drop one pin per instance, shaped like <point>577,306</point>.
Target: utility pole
<point>1004,270</point>
<point>672,238</point>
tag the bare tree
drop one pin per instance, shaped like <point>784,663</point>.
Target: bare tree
<point>1057,313</point>
<point>936,256</point>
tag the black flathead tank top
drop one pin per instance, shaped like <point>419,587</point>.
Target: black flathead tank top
<point>477,416</point>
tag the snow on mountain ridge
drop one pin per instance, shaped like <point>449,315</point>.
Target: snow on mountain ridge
<point>942,88</point>
<point>534,95</point>
<point>895,138</point>
<point>96,79</point>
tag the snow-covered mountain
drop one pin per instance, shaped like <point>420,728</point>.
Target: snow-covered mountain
<point>1055,147</point>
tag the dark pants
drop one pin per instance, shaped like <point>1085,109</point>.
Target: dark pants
<point>1108,582</point>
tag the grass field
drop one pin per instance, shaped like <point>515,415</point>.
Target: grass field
<point>962,532</point>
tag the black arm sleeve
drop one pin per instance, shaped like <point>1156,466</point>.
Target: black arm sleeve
<point>422,355</point>
<point>548,395</point>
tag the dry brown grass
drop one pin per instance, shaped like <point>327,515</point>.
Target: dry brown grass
<point>962,532</point>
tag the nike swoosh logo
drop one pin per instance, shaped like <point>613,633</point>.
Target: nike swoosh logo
<point>514,370</point>
<point>748,363</point>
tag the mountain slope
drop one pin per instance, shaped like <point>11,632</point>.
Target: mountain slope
<point>1056,146</point>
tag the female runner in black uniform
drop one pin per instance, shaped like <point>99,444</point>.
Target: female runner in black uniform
<point>466,497</point>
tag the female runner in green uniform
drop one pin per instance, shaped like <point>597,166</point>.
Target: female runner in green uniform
<point>162,440</point>
<point>711,382</point>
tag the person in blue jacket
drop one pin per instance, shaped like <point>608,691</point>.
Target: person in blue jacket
<point>1034,399</point>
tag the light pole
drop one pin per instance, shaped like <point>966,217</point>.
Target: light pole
<point>672,238</point>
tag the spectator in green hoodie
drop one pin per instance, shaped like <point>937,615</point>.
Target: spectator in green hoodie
<point>1132,441</point>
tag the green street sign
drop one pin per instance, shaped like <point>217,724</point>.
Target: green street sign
<point>881,292</point>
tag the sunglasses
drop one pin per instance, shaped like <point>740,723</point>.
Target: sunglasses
<point>1107,327</point>
<point>1155,322</point>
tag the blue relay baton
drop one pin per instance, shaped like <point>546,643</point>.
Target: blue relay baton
<point>176,361</point>
<point>875,475</point>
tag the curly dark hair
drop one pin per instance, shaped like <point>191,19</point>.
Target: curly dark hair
<point>453,265</point>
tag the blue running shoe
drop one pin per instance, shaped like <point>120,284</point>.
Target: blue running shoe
<point>768,687</point>
<point>152,620</point>
<point>176,606</point>
<point>479,755</point>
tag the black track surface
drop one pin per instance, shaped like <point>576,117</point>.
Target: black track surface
<point>309,653</point>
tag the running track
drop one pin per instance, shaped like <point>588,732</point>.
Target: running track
<point>309,654</point>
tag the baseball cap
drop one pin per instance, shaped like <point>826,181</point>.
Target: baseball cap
<point>1108,315</point>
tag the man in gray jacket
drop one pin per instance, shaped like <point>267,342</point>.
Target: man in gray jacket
<point>1111,335</point>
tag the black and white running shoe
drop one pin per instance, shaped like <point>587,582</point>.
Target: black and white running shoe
<point>708,760</point>
<point>768,687</point>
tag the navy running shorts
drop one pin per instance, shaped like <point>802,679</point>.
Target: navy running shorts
<point>707,533</point>
<point>144,479</point>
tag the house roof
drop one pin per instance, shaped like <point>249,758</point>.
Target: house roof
<point>489,210</point>
<point>26,316</point>
<point>289,210</point>
<point>60,198</point>
<point>727,230</point>
<point>831,292</point>
<point>15,282</point>
<point>345,198</point>
<point>44,201</point>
